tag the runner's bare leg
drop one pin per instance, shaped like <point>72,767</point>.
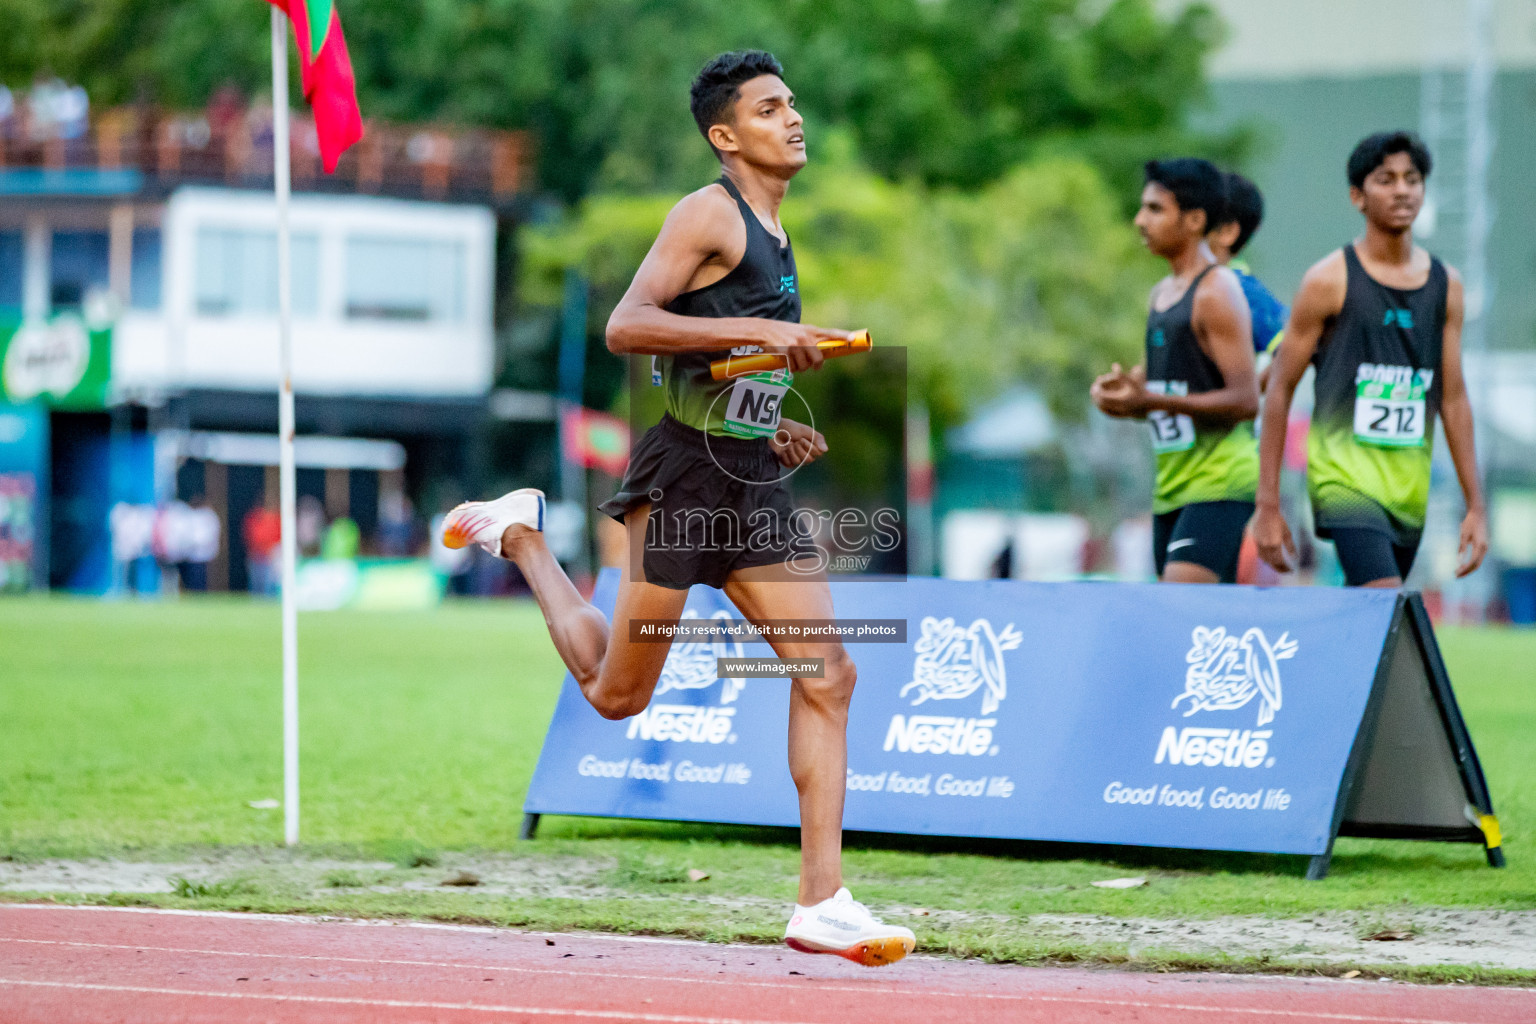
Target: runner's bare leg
<point>616,675</point>
<point>818,719</point>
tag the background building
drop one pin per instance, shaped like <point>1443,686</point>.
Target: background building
<point>138,316</point>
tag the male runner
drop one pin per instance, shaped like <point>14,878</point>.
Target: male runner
<point>1242,213</point>
<point>719,280</point>
<point>1196,390</point>
<point>1381,321</point>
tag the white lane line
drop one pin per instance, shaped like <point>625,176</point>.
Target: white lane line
<point>1320,1015</point>
<point>584,975</point>
<point>404,1004</point>
<point>441,926</point>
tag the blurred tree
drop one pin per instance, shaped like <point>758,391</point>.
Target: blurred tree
<point>947,92</point>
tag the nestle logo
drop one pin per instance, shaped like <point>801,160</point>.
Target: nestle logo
<point>1231,748</point>
<point>938,734</point>
<point>682,723</point>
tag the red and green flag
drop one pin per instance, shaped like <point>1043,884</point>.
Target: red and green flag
<point>327,75</point>
<point>595,440</point>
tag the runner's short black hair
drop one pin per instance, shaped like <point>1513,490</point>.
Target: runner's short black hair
<point>1196,184</point>
<point>1244,207</point>
<point>717,86</point>
<point>1373,151</point>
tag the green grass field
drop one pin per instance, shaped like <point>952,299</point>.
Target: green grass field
<point>143,730</point>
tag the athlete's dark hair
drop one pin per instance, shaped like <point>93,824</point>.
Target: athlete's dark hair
<point>1244,207</point>
<point>1195,183</point>
<point>718,86</point>
<point>1373,151</point>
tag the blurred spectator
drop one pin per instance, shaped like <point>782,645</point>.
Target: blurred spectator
<point>56,110</point>
<point>396,525</point>
<point>203,535</point>
<point>8,128</point>
<point>341,540</point>
<point>225,109</point>
<point>258,120</point>
<point>133,532</point>
<point>310,524</point>
<point>172,541</point>
<point>263,530</point>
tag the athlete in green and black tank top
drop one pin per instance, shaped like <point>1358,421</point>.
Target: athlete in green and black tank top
<point>1197,389</point>
<point>1196,461</point>
<point>764,285</point>
<point>1380,320</point>
<point>1378,397</point>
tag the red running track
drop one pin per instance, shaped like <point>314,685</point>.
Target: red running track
<point>99,965</point>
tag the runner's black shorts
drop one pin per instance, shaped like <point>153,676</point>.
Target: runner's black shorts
<point>1207,533</point>
<point>1372,543</point>
<point>718,504</point>
<point>1368,555</point>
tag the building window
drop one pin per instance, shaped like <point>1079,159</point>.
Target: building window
<point>78,265</point>
<point>11,250</point>
<point>405,279</point>
<point>237,273</point>
<point>145,283</point>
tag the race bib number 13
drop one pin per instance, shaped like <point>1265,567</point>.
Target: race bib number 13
<point>754,404</point>
<point>1170,432</point>
<point>1390,415</point>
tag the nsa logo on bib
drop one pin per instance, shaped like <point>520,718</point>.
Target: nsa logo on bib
<point>952,663</point>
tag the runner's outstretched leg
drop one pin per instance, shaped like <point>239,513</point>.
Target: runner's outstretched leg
<point>615,674</point>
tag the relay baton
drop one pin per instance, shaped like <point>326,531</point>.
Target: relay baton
<point>763,362</point>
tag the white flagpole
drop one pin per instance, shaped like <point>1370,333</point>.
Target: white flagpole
<point>280,167</point>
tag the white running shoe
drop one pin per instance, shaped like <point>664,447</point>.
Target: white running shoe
<point>483,522</point>
<point>846,928</point>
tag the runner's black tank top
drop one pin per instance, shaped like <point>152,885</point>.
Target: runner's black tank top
<point>1196,461</point>
<point>763,285</point>
<point>1173,353</point>
<point>1378,388</point>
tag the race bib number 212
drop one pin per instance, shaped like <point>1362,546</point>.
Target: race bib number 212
<point>1391,414</point>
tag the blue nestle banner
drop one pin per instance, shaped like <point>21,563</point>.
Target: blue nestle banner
<point>1145,714</point>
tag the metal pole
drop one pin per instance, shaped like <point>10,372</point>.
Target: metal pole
<point>1480,212</point>
<point>280,168</point>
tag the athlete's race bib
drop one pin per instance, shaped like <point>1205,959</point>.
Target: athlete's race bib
<point>1390,407</point>
<point>1170,432</point>
<point>755,402</point>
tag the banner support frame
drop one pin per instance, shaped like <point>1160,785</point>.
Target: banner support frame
<point>1365,738</point>
<point>1467,762</point>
